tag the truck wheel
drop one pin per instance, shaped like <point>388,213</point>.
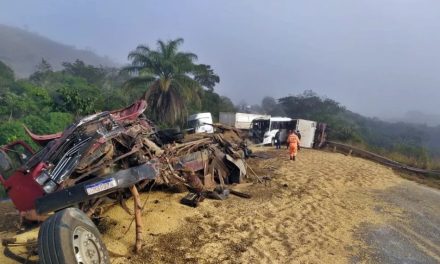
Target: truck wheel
<point>69,236</point>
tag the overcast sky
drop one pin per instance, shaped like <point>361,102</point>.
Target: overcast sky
<point>377,57</point>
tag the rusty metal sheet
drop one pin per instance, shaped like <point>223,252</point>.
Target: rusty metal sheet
<point>195,161</point>
<point>239,163</point>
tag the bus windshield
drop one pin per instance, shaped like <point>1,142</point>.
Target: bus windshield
<point>259,127</point>
<point>195,123</point>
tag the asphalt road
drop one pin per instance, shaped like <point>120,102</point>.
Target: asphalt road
<point>414,236</point>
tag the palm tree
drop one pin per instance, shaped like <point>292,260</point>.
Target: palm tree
<point>167,74</point>
<point>206,76</point>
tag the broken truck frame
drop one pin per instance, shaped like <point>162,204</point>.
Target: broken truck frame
<point>101,159</point>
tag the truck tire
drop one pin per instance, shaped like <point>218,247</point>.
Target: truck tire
<point>69,236</point>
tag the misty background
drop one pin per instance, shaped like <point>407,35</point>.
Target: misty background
<point>377,57</point>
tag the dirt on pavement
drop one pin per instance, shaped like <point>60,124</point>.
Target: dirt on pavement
<point>310,212</point>
<point>307,213</point>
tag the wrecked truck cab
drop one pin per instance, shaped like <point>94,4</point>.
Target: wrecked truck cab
<point>66,154</point>
<point>95,159</point>
<point>19,184</point>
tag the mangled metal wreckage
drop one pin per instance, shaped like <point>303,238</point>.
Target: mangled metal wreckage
<point>102,159</point>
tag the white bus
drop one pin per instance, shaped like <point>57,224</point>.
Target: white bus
<point>264,130</point>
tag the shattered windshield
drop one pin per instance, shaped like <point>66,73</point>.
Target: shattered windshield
<point>194,123</point>
<point>260,125</point>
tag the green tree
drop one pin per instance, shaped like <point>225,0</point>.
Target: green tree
<point>226,105</point>
<point>168,76</point>
<point>42,71</point>
<point>214,103</point>
<point>24,99</point>
<point>77,97</point>
<point>206,76</point>
<point>309,105</point>
<point>12,131</point>
<point>51,123</point>
<point>92,74</point>
<point>6,78</point>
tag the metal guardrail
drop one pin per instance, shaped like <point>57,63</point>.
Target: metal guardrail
<point>378,158</point>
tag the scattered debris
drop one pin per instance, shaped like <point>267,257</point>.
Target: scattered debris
<point>240,194</point>
<point>105,158</point>
<point>192,199</point>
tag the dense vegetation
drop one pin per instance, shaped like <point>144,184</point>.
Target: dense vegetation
<point>49,100</point>
<point>416,145</point>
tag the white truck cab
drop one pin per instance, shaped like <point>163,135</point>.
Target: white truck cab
<point>200,123</point>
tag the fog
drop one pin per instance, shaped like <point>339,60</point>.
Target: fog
<point>377,57</point>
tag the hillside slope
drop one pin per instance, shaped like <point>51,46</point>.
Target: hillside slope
<point>22,50</point>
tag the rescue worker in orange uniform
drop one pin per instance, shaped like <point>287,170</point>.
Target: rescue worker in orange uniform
<point>293,142</point>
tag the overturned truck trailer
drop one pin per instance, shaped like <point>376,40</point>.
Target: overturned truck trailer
<point>102,159</point>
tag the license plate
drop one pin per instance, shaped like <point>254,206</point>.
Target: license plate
<point>100,186</point>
